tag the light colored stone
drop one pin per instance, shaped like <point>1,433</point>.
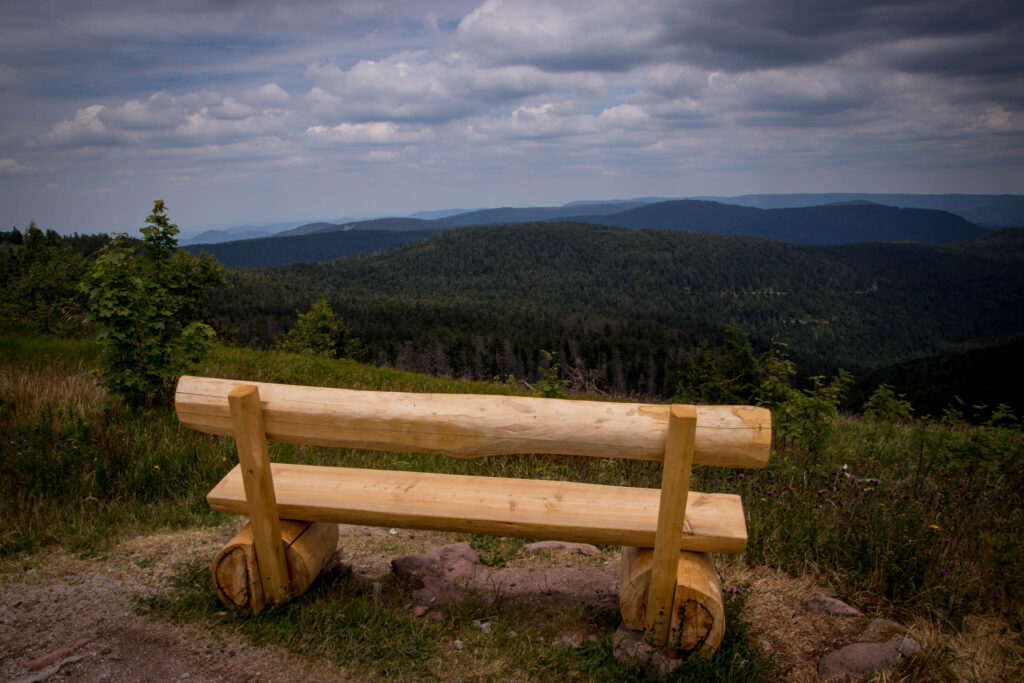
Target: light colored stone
<point>832,607</point>
<point>864,658</point>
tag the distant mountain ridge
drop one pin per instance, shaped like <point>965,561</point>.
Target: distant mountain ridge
<point>1001,210</point>
<point>840,223</point>
<point>383,224</point>
<point>539,213</point>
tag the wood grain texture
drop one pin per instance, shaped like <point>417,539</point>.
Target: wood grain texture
<point>698,612</point>
<point>258,484</point>
<point>308,547</point>
<point>477,425</point>
<point>675,484</point>
<point>498,506</point>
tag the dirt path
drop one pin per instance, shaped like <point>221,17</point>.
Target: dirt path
<point>57,610</point>
<point>60,614</point>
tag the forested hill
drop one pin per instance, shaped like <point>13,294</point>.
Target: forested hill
<point>323,246</point>
<point>842,223</point>
<point>642,297</point>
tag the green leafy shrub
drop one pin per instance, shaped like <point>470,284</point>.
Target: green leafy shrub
<point>550,386</point>
<point>888,406</point>
<point>148,303</point>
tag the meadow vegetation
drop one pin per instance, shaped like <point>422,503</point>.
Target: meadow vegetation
<point>912,517</point>
<point>901,516</point>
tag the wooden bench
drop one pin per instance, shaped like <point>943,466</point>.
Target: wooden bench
<point>670,587</point>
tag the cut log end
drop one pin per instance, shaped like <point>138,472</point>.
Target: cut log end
<point>698,614</point>
<point>236,578</point>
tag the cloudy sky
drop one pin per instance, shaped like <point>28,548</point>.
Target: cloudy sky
<point>260,111</point>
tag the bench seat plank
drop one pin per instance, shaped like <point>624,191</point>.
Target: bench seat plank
<point>497,506</point>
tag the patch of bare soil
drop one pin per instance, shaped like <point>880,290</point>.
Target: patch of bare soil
<point>78,617</point>
<point>60,614</point>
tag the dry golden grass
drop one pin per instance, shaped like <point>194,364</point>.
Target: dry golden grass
<point>983,648</point>
<point>68,387</point>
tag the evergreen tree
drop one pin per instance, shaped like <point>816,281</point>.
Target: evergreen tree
<point>318,332</point>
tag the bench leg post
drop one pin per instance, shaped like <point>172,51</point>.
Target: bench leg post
<point>675,485</point>
<point>251,439</point>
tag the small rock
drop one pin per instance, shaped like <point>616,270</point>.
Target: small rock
<point>832,607</point>
<point>437,591</point>
<point>629,647</point>
<point>48,659</point>
<point>586,549</point>
<point>419,610</point>
<point>46,673</point>
<point>458,644</point>
<point>864,658</point>
<point>572,640</point>
<point>450,562</point>
<point>30,571</point>
<point>485,627</point>
<point>513,634</point>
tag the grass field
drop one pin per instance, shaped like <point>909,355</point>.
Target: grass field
<point>916,520</point>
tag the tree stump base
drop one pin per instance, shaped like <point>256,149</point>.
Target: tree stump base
<point>308,547</point>
<point>698,614</point>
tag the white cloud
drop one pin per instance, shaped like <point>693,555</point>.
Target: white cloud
<point>570,35</point>
<point>86,128</point>
<point>269,95</point>
<point>421,87</point>
<point>374,133</point>
<point>159,112</point>
<point>163,120</point>
<point>11,167</point>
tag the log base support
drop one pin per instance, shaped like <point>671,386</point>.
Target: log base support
<point>698,614</point>
<point>307,548</point>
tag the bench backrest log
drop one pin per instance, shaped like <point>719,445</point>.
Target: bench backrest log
<point>467,426</point>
